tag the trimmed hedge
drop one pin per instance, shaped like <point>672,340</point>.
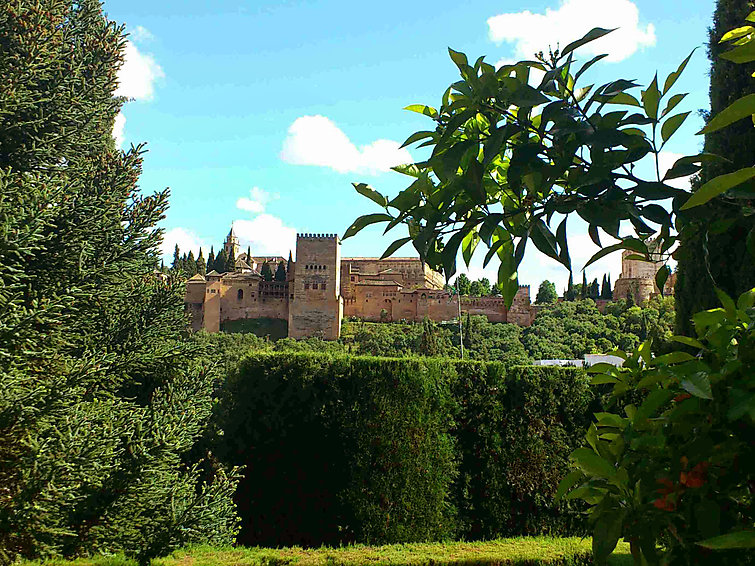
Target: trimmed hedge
<point>380,450</point>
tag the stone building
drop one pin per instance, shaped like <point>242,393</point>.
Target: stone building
<point>321,288</point>
<point>638,278</point>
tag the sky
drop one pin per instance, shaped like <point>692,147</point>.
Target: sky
<point>261,114</point>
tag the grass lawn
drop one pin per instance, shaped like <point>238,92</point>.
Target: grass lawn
<point>513,551</point>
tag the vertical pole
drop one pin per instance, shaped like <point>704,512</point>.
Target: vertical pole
<point>461,335</point>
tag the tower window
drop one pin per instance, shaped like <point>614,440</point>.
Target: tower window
<point>314,285</point>
<point>240,294</point>
<point>322,286</point>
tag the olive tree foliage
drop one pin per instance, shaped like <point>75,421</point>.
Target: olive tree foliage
<point>512,159</point>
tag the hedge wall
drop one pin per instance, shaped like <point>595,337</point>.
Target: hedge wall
<point>381,450</point>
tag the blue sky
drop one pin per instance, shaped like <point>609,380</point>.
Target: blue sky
<point>261,114</point>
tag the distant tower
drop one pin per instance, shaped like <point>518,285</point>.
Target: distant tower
<point>231,244</point>
<point>316,306</point>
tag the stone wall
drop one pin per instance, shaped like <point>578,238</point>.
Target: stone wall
<point>409,272</point>
<point>315,307</point>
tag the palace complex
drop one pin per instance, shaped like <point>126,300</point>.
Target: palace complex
<point>321,288</point>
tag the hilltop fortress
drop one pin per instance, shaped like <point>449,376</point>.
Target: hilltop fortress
<point>321,288</point>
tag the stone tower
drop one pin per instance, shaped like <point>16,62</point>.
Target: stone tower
<point>231,244</point>
<point>316,306</point>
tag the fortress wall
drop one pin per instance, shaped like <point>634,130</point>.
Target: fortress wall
<point>211,322</point>
<point>316,308</point>
<point>194,303</point>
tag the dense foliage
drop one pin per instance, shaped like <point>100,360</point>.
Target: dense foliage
<point>708,256</point>
<point>102,399</point>
<point>341,448</point>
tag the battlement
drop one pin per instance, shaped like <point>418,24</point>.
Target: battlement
<point>316,236</point>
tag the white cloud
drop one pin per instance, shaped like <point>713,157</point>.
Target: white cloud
<point>138,74</point>
<point>118,128</point>
<point>316,140</point>
<point>186,240</point>
<point>140,33</point>
<point>572,19</point>
<point>257,201</point>
<point>266,234</point>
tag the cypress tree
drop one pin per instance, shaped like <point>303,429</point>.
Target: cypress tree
<point>604,287</point>
<point>103,402</point>
<point>176,265</point>
<point>609,295</point>
<point>211,260</point>
<point>231,263</point>
<point>266,272</point>
<point>201,265</point>
<point>570,294</point>
<point>594,289</point>
<point>280,271</point>
<point>191,265</point>
<point>249,255</point>
<point>221,262</point>
<point>729,267</point>
<point>583,291</point>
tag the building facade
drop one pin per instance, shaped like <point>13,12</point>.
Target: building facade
<point>638,278</point>
<point>321,288</point>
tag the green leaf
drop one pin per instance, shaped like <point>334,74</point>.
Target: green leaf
<point>650,99</point>
<point>364,221</point>
<point>603,378</point>
<point>409,169</point>
<point>416,136</point>
<point>672,358</point>
<point>592,35</point>
<point>747,299</point>
<point>365,190</point>
<point>606,534</point>
<point>741,108</point>
<point>673,102</point>
<point>672,124</point>
<point>544,239</point>
<point>626,244</point>
<point>458,58</point>
<point>394,246</point>
<point>742,54</point>
<point>468,245</point>
<point>739,539</point>
<point>737,33</point>
<point>689,342</point>
<point>592,464</point>
<point>698,385</point>
<point>727,302</point>
<point>422,109</point>
<point>624,98</point>
<point>571,479</point>
<point>654,401</point>
<point>589,64</point>
<point>672,78</point>
<point>661,276</point>
<point>719,185</point>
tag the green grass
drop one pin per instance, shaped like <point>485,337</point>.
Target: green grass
<point>512,551</point>
<point>272,327</point>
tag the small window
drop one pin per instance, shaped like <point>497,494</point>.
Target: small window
<point>240,295</point>
<point>353,278</point>
<point>314,285</point>
<point>306,285</point>
<point>322,286</point>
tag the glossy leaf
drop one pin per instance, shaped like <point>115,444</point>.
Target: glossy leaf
<point>741,108</point>
<point>661,277</point>
<point>741,54</point>
<point>592,464</point>
<point>364,221</point>
<point>416,136</point>
<point>698,385</point>
<point>673,102</point>
<point>571,479</point>
<point>673,77</point>
<point>422,109</point>
<point>592,35</point>
<point>739,539</point>
<point>651,98</point>
<point>672,124</point>
<point>626,244</point>
<point>719,185</point>
<point>367,191</point>
<point>395,246</point>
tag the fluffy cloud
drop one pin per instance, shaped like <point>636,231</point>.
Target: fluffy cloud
<point>186,240</point>
<point>140,33</point>
<point>316,140</point>
<point>118,127</point>
<point>531,33</point>
<point>257,200</point>
<point>138,74</point>
<point>266,234</point>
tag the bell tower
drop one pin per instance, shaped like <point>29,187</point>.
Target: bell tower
<point>231,244</point>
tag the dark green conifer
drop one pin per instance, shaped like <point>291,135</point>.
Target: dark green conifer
<point>201,265</point>
<point>211,260</point>
<point>583,291</point>
<point>570,293</point>
<point>221,262</point>
<point>280,271</point>
<point>266,272</point>
<point>176,265</point>
<point>191,265</point>
<point>103,402</point>
<point>730,267</point>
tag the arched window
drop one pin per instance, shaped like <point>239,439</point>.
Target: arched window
<point>240,294</point>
